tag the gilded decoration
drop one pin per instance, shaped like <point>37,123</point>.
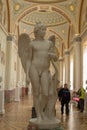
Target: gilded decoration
<point>16,6</point>
<point>71,9</point>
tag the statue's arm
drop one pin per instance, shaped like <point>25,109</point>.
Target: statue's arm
<point>52,52</point>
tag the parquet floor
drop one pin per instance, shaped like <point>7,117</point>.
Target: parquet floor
<point>17,115</point>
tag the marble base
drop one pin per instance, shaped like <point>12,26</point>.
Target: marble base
<point>36,127</point>
<point>17,94</point>
<point>44,125</point>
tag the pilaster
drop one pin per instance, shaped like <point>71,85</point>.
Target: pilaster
<point>77,62</point>
<point>67,66</point>
<point>2,109</point>
<point>61,70</point>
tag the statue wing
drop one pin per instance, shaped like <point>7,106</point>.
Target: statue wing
<point>53,50</point>
<point>24,49</point>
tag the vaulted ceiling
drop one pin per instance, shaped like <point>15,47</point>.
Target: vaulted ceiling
<point>62,17</point>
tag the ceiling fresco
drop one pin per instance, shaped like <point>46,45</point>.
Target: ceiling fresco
<point>49,18</point>
<point>62,17</point>
<point>51,14</point>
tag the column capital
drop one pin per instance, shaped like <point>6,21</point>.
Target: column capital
<point>66,52</point>
<point>60,58</point>
<point>11,37</point>
<point>77,38</point>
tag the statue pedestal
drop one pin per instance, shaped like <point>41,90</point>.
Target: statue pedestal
<point>44,125</point>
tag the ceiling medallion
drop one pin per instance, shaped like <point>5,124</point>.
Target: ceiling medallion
<point>17,6</point>
<point>72,8</point>
<point>45,1</point>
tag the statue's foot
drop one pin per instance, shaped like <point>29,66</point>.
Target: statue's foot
<point>54,119</point>
<point>44,117</point>
<point>39,119</point>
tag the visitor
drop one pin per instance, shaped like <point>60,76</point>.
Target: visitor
<point>64,97</point>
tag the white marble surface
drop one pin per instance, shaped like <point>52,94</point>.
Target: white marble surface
<point>2,109</point>
<point>85,103</point>
<point>17,94</point>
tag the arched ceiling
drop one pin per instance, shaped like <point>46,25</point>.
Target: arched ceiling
<point>50,18</point>
<point>60,16</point>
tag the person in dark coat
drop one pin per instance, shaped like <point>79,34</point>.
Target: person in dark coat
<point>64,97</point>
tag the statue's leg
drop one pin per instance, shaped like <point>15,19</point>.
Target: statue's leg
<point>52,100</point>
<point>35,81</point>
<point>51,107</point>
<point>44,90</point>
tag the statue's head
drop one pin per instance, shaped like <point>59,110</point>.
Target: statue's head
<point>52,39</point>
<point>39,29</point>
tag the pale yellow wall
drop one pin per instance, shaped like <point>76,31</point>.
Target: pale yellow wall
<point>2,55</point>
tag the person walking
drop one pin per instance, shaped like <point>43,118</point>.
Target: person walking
<point>81,93</point>
<point>64,97</point>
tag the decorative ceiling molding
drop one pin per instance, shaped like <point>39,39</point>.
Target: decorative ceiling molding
<point>32,10</point>
<point>49,18</point>
<point>45,1</point>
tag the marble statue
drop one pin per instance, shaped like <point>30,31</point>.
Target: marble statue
<point>36,56</point>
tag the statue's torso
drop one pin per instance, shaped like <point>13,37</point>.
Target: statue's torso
<point>40,56</point>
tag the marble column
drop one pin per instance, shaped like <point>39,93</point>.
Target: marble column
<point>9,62</point>
<point>18,86</point>
<point>2,109</point>
<point>67,66</point>
<point>61,70</point>
<point>17,93</point>
<point>85,103</point>
<point>77,63</point>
